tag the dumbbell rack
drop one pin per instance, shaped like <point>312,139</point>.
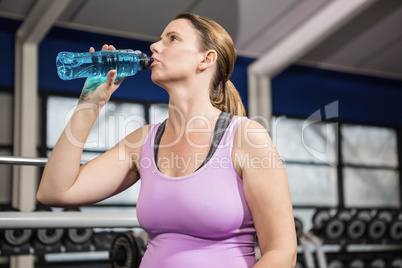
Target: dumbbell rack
<point>67,221</point>
<point>60,220</point>
<point>315,253</point>
<point>342,250</point>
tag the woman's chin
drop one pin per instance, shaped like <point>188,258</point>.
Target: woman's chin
<point>157,81</point>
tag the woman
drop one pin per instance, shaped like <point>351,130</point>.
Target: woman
<point>211,179</point>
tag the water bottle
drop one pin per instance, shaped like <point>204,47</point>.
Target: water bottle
<point>127,62</point>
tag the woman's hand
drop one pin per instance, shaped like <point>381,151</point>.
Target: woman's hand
<point>98,90</point>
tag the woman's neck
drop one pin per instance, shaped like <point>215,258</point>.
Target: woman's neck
<point>191,109</point>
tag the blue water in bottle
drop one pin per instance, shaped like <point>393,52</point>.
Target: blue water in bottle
<point>127,62</point>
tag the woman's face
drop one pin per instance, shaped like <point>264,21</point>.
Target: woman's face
<point>176,55</point>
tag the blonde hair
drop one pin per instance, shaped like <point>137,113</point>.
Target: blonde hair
<point>222,93</point>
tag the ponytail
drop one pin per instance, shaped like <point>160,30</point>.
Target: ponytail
<point>227,99</point>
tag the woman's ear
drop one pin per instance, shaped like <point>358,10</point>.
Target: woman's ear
<point>209,59</point>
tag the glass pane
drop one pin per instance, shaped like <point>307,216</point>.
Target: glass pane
<point>57,117</point>
<point>369,146</point>
<point>302,140</point>
<point>115,121</point>
<point>371,188</point>
<point>88,156</point>
<point>5,179</point>
<point>158,113</point>
<point>127,197</point>
<point>312,185</point>
<point>6,118</point>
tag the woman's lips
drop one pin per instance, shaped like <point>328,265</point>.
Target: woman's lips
<point>155,61</point>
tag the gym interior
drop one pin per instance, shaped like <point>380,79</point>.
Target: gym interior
<point>324,77</point>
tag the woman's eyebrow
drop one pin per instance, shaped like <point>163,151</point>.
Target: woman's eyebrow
<point>169,33</point>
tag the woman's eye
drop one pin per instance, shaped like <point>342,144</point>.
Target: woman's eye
<point>173,38</point>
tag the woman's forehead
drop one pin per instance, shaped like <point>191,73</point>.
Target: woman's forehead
<point>181,26</point>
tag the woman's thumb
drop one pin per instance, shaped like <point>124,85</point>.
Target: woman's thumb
<point>111,76</point>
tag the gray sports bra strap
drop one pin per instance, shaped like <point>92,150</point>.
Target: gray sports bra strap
<point>220,127</point>
<point>157,141</point>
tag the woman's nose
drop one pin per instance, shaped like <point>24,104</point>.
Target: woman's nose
<point>155,47</point>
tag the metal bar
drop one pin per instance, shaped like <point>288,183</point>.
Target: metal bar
<point>252,81</point>
<point>265,101</point>
<point>308,255</point>
<point>29,161</point>
<point>63,220</point>
<point>25,161</point>
<point>399,148</point>
<point>340,167</point>
<point>321,259</point>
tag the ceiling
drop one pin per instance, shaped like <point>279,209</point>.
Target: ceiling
<point>370,43</point>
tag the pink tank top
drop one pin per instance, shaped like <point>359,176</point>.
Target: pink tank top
<point>200,220</point>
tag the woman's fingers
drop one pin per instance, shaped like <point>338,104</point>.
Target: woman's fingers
<point>104,47</point>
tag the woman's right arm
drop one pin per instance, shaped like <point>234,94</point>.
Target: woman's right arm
<point>64,181</point>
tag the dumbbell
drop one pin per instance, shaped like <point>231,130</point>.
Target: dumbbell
<point>15,237</point>
<point>320,218</point>
<point>395,228</point>
<point>299,265</point>
<point>77,239</point>
<point>102,241</point>
<point>377,263</point>
<point>125,251</point>
<point>396,263</point>
<point>336,264</point>
<point>377,227</point>
<point>356,263</point>
<point>356,227</point>
<point>299,227</point>
<point>335,226</point>
<point>47,237</point>
<point>78,235</point>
